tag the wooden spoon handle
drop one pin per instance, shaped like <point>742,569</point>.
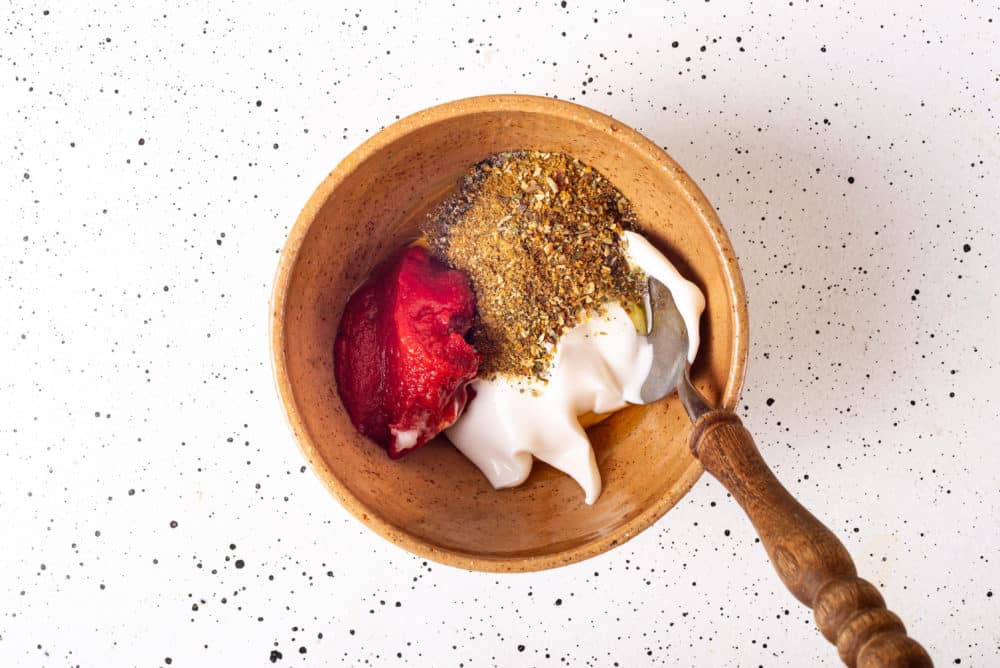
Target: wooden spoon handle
<point>809,559</point>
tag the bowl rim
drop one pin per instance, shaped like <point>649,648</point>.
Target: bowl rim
<point>385,137</point>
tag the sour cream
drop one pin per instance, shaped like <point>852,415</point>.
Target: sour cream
<point>598,366</point>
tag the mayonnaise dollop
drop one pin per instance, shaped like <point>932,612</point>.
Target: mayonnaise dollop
<point>598,366</point>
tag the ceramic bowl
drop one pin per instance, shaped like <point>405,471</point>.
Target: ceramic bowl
<point>434,502</point>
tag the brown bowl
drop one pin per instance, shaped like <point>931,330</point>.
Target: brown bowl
<point>434,502</point>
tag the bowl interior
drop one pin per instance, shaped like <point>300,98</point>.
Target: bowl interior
<point>434,502</point>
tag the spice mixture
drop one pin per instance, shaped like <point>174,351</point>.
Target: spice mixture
<point>539,235</point>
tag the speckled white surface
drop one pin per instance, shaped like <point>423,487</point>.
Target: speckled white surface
<point>154,509</point>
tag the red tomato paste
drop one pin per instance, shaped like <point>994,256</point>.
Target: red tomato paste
<point>400,358</point>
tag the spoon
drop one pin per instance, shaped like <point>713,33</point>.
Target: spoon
<point>814,565</point>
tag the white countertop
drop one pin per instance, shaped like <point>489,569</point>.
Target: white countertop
<point>153,160</point>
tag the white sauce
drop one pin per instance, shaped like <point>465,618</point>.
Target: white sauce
<point>599,366</point>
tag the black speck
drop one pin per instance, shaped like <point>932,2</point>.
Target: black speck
<point>173,524</point>
<point>239,563</point>
<point>275,655</point>
<point>770,401</point>
<point>965,248</point>
<point>850,179</point>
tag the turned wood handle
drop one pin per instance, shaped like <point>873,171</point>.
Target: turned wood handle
<point>809,559</point>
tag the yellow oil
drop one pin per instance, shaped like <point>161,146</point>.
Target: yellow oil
<point>637,314</point>
<point>590,418</point>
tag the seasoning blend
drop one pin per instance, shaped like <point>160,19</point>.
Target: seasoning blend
<point>539,235</point>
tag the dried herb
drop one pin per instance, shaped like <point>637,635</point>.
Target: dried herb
<point>539,235</point>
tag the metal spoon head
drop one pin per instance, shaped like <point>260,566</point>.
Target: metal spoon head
<point>669,338</point>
